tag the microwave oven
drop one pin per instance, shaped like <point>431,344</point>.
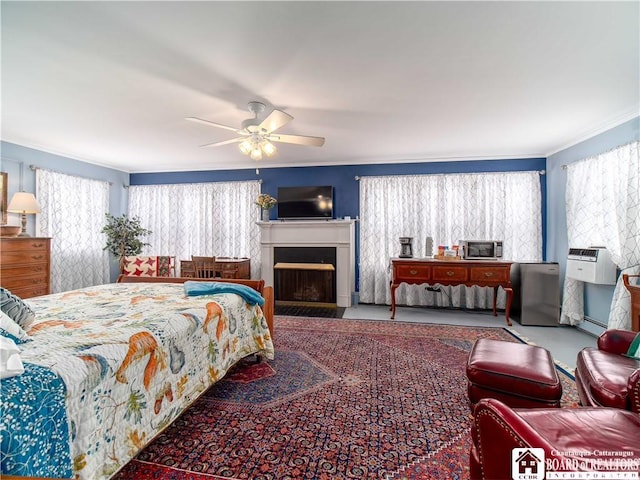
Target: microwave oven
<point>480,249</point>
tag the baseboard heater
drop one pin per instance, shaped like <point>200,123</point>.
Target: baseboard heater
<point>592,326</point>
<point>599,323</point>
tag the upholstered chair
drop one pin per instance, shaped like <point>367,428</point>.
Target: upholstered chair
<point>568,435</point>
<point>605,376</point>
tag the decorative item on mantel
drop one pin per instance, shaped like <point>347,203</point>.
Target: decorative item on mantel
<point>266,202</point>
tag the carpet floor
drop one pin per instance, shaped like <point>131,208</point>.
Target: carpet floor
<point>342,400</point>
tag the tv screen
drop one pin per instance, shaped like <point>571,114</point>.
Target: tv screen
<point>305,202</point>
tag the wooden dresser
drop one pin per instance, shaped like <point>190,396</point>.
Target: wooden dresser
<point>25,265</point>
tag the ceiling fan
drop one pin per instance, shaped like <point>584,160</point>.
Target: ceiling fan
<point>255,135</point>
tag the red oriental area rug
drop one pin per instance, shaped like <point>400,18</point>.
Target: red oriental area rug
<point>343,399</point>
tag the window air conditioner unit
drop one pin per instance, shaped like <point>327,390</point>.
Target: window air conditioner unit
<point>592,265</point>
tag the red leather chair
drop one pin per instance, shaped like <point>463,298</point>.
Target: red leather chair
<point>565,434</point>
<point>605,377</point>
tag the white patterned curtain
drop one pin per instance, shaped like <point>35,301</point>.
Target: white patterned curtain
<point>449,208</point>
<point>72,213</point>
<point>603,208</point>
<point>209,219</point>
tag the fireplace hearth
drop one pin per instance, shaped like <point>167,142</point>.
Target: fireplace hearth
<point>305,274</point>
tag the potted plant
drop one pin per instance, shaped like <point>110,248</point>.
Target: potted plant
<point>123,237</point>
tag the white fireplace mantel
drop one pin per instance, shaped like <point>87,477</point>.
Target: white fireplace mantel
<point>313,233</point>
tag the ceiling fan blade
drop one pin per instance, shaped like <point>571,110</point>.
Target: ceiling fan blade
<point>275,120</point>
<point>298,140</point>
<point>211,124</point>
<point>225,142</point>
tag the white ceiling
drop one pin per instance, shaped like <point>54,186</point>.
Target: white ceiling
<point>111,82</point>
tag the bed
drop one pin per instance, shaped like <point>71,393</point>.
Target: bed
<point>110,366</point>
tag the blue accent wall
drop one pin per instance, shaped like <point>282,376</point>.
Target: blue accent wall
<point>346,200</point>
<point>597,297</point>
<point>341,177</point>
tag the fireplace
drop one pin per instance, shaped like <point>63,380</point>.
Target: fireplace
<point>339,235</point>
<point>304,275</point>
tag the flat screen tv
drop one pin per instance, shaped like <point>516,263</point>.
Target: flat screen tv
<point>305,203</point>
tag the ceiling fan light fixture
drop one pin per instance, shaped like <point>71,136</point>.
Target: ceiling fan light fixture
<point>245,147</point>
<point>256,135</point>
<point>256,153</point>
<point>268,148</point>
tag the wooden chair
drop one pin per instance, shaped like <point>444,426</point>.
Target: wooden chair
<point>205,267</point>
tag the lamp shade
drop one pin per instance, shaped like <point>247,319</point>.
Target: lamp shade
<point>23,202</point>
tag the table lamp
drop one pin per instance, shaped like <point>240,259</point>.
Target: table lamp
<point>23,203</point>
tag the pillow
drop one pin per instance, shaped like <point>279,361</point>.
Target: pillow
<point>634,348</point>
<point>10,361</point>
<point>16,309</point>
<point>10,329</point>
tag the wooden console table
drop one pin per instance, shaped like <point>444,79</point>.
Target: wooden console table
<point>417,271</point>
<point>226,267</point>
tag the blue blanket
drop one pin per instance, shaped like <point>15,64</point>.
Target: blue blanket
<point>34,426</point>
<point>248,294</point>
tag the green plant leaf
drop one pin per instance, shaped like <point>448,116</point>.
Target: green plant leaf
<point>123,236</point>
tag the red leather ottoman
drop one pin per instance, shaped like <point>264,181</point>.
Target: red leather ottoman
<point>517,374</point>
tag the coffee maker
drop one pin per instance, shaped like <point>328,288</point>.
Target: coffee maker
<point>406,247</point>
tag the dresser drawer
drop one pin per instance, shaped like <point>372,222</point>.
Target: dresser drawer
<point>449,273</point>
<point>19,258</point>
<point>29,270</point>
<point>490,274</point>
<point>25,244</point>
<point>12,283</point>
<point>408,273</point>
<point>30,291</point>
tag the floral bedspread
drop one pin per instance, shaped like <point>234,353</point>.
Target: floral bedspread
<point>132,357</point>
<point>34,427</point>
